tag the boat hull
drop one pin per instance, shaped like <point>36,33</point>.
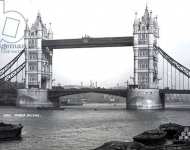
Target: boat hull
<point>151,137</point>
<point>171,129</point>
<point>12,133</point>
<point>151,142</point>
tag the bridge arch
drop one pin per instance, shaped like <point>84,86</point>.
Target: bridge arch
<point>54,95</point>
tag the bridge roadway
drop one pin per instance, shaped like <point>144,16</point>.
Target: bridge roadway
<point>54,94</point>
<point>8,96</point>
<point>88,42</point>
<point>174,91</point>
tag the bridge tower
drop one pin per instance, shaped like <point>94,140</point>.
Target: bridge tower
<point>38,60</point>
<point>146,34</point>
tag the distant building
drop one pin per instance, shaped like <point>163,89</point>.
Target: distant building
<point>72,86</point>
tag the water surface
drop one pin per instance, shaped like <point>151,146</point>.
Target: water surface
<point>84,127</point>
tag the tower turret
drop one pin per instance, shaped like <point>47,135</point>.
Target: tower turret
<point>146,16</point>
<point>26,35</point>
<point>27,30</point>
<point>50,32</point>
<point>136,23</point>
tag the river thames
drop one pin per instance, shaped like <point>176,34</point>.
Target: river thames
<point>85,127</point>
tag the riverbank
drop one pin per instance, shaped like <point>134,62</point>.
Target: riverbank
<point>118,145</point>
<point>169,136</point>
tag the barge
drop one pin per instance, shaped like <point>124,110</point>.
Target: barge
<point>10,131</point>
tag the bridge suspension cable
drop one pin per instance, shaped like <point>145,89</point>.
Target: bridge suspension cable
<point>174,63</point>
<point>10,64</point>
<point>171,74</point>
<point>12,74</point>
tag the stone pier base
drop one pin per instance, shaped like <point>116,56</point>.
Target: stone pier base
<point>32,98</point>
<point>144,99</point>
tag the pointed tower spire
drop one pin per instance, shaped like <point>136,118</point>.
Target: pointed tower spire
<point>146,6</point>
<point>146,15</point>
<point>151,18</point>
<point>38,25</point>
<point>50,32</point>
<point>39,15</point>
<point>27,29</point>
<point>136,19</point>
<point>136,23</point>
<point>27,26</point>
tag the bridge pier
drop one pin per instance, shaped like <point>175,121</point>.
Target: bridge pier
<point>33,98</point>
<point>144,99</point>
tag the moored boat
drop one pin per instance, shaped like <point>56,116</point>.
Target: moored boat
<point>10,131</point>
<point>151,137</point>
<point>172,129</point>
<point>155,139</point>
<point>184,136</point>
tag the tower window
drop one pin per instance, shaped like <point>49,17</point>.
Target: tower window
<point>33,56</point>
<point>143,64</point>
<point>33,67</point>
<point>32,43</point>
<point>143,52</point>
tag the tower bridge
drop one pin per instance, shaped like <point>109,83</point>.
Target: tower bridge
<point>145,93</point>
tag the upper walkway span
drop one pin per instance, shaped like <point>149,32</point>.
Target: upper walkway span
<point>88,42</point>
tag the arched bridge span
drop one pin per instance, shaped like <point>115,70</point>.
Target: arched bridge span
<point>54,94</point>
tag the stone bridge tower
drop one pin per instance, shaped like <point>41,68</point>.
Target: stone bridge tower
<point>38,59</point>
<point>145,94</point>
<point>146,33</point>
<point>38,71</point>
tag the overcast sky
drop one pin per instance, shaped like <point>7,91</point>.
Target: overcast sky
<point>104,18</point>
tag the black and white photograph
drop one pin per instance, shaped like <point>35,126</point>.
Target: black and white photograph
<point>94,75</point>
